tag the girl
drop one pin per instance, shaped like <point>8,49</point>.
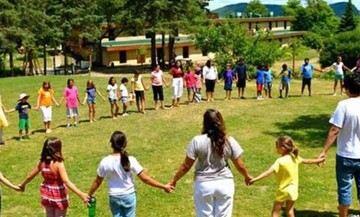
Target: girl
<point>338,66</point>
<point>44,102</point>
<point>177,75</point>
<point>112,90</point>
<point>118,167</point>
<point>210,77</point>
<point>189,78</point>
<point>138,87</point>
<point>3,121</point>
<point>285,80</point>
<point>214,183</point>
<point>90,98</point>
<point>228,76</point>
<point>54,195</point>
<point>198,83</point>
<point>71,95</point>
<point>260,80</point>
<point>156,79</point>
<point>286,169</point>
<point>268,81</point>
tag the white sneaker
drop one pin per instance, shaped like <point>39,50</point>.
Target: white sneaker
<point>48,131</point>
<point>125,114</point>
<point>258,98</point>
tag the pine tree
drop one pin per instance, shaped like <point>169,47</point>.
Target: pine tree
<point>348,20</point>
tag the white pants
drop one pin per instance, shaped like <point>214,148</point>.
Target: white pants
<point>177,84</point>
<point>214,198</point>
<point>46,113</point>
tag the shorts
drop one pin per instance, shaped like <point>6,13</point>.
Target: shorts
<point>228,87</point>
<point>241,83</point>
<point>346,170</point>
<point>139,95</point>
<point>46,113</point>
<point>268,86</point>
<point>190,89</point>
<point>284,85</point>
<point>72,112</point>
<point>306,81</point>
<point>113,100</point>
<point>339,77</point>
<point>124,99</point>
<point>259,87</point>
<point>158,93</point>
<point>210,85</point>
<point>24,124</point>
<point>91,101</point>
<point>123,205</point>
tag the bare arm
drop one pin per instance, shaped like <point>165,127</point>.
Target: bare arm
<point>331,137</point>
<point>38,102</point>
<point>164,80</point>
<point>6,182</point>
<point>95,185</point>
<point>31,176</point>
<point>184,168</point>
<point>86,95</point>
<point>240,166</point>
<point>263,175</point>
<point>313,161</point>
<point>152,182</point>
<point>98,92</point>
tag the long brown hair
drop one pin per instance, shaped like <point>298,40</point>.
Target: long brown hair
<point>288,144</point>
<point>51,151</point>
<point>118,143</point>
<point>214,127</point>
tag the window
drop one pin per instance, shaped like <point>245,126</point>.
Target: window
<point>204,53</point>
<point>186,52</point>
<point>122,55</point>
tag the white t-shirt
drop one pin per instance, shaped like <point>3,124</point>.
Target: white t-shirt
<point>338,68</point>
<point>156,78</point>
<point>112,91</point>
<point>347,117</point>
<point>119,181</point>
<point>210,73</point>
<point>124,91</point>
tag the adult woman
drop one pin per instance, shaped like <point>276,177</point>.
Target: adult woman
<point>177,83</point>
<point>156,80</point>
<point>214,185</point>
<point>210,76</point>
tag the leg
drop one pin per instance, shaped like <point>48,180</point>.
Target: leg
<point>112,110</point>
<point>309,87</point>
<point>229,94</point>
<point>290,208</point>
<point>60,212</point>
<point>93,106</point>
<point>116,109</point>
<point>1,137</point>
<point>276,209</point>
<point>90,113</point>
<point>203,199</point>
<point>341,86</point>
<point>242,92</point>
<point>124,108</point>
<point>335,84</point>
<point>344,176</point>
<point>287,90</point>
<point>224,198</point>
<point>50,211</point>
<point>156,105</point>
<point>302,88</point>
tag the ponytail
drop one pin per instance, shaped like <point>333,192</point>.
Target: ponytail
<point>288,144</point>
<point>124,159</point>
<point>118,143</point>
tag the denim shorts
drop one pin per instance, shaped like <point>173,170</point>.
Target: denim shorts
<point>346,170</point>
<point>123,205</point>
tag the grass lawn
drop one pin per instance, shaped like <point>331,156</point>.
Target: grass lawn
<point>158,140</point>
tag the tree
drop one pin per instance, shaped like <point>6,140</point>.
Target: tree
<point>255,7</point>
<point>292,7</point>
<point>348,21</point>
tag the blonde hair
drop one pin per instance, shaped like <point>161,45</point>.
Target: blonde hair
<point>288,144</point>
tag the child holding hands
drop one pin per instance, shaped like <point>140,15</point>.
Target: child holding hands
<point>286,169</point>
<point>90,98</point>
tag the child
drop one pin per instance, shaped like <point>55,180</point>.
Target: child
<point>198,83</point>
<point>157,79</point>
<point>23,108</point>
<point>285,80</point>
<point>339,73</point>
<point>228,76</point>
<point>71,95</point>
<point>138,87</point>
<point>260,80</point>
<point>189,78</point>
<point>124,95</point>
<point>112,90</point>
<point>241,77</point>
<point>3,122</point>
<point>268,81</point>
<point>90,98</point>
<point>44,102</point>
<point>119,168</point>
<point>53,190</point>
<point>286,169</point>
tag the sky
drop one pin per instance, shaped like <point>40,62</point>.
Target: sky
<point>214,4</point>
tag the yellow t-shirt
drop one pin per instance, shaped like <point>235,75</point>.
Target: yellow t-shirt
<point>3,120</point>
<point>45,97</point>
<point>287,177</point>
<point>138,83</point>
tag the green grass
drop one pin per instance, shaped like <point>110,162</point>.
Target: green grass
<point>158,140</point>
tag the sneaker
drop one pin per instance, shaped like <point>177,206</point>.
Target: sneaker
<point>20,138</point>
<point>258,98</point>
<point>125,114</point>
<point>68,125</point>
<point>76,124</point>
<point>334,94</point>
<point>48,131</point>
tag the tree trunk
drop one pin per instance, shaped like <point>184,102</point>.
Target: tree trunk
<point>171,50</point>
<point>65,59</point>
<point>153,49</point>
<point>31,63</point>
<point>45,62</point>
<point>293,60</point>
<point>11,60</point>
<point>163,50</point>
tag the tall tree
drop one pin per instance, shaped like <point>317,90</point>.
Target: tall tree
<point>256,7</point>
<point>292,7</point>
<point>348,21</point>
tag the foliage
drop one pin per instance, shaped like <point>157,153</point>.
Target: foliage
<point>256,7</point>
<point>292,7</point>
<point>313,40</point>
<point>348,21</point>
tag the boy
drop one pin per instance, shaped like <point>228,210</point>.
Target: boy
<point>24,124</point>
<point>241,77</point>
<point>124,95</point>
<point>285,80</point>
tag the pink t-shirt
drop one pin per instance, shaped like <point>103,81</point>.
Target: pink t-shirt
<point>190,79</point>
<point>71,95</point>
<point>197,81</point>
<point>156,78</point>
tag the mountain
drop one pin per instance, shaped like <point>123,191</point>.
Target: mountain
<point>278,10</point>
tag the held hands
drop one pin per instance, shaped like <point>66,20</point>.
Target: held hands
<point>321,158</point>
<point>169,188</point>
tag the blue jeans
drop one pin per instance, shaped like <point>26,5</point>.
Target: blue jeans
<point>123,205</point>
<point>346,170</point>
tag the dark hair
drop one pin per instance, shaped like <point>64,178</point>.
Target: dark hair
<point>124,80</point>
<point>208,63</point>
<point>70,80</point>
<point>46,83</point>
<point>51,151</point>
<point>90,84</point>
<point>306,59</point>
<point>214,127</point>
<point>118,143</point>
<point>284,66</point>
<point>288,144</point>
<point>137,72</point>
<point>157,65</point>
<point>111,79</point>
<point>352,83</point>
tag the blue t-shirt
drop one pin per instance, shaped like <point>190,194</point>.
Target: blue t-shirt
<point>260,77</point>
<point>306,70</point>
<point>228,76</point>
<point>23,108</point>
<point>91,93</point>
<point>268,76</point>
<point>286,76</point>
<point>241,72</point>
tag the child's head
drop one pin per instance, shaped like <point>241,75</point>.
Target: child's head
<point>70,83</point>
<point>118,143</point>
<point>112,81</point>
<point>51,151</point>
<point>285,145</point>
<point>198,70</point>
<point>124,81</point>
<point>228,66</point>
<point>306,60</point>
<point>177,64</point>
<point>157,68</point>
<point>208,63</point>
<point>241,61</point>
<point>46,85</point>
<point>284,67</point>
<point>90,84</point>
<point>136,73</point>
<point>352,84</point>
<point>339,59</point>
<point>266,67</point>
<point>188,69</point>
<point>23,97</point>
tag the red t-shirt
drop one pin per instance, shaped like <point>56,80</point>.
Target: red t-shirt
<point>177,72</point>
<point>190,79</point>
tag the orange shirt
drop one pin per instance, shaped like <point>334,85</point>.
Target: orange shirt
<point>45,97</point>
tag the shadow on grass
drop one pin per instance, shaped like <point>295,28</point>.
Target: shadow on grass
<point>38,131</point>
<point>312,213</point>
<point>310,130</point>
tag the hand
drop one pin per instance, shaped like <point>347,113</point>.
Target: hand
<point>58,104</point>
<point>172,183</point>
<point>85,198</point>
<point>252,181</point>
<point>169,188</point>
<point>321,157</point>
<point>17,188</point>
<point>36,108</point>
<point>21,187</point>
<point>248,180</point>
